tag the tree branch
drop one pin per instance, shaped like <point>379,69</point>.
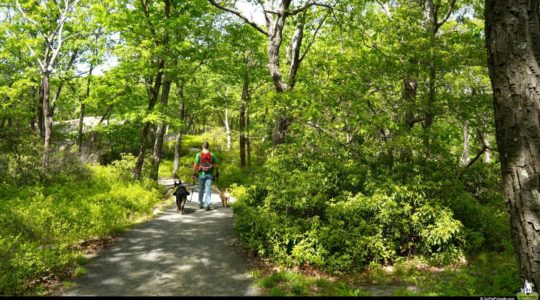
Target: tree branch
<point>71,35</point>
<point>484,148</point>
<point>448,13</point>
<point>39,61</point>
<point>313,38</point>
<point>305,7</point>
<point>253,24</point>
<point>147,16</point>
<point>385,9</point>
<point>24,14</point>
<point>481,136</point>
<point>57,50</point>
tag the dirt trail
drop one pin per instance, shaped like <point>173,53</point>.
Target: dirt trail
<point>195,254</point>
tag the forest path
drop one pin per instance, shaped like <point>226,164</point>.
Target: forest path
<point>194,254</point>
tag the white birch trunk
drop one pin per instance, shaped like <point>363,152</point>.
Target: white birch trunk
<point>228,130</point>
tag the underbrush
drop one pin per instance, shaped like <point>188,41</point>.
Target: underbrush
<point>305,211</point>
<point>486,274</point>
<point>42,224</point>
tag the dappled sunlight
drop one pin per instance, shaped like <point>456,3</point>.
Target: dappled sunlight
<point>173,254</point>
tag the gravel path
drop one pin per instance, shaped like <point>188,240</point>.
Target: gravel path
<point>195,254</point>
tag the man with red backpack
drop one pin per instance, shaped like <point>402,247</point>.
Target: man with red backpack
<point>206,167</point>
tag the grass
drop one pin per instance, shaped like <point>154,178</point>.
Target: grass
<point>275,281</point>
<point>79,271</point>
<point>290,283</point>
<point>486,274</point>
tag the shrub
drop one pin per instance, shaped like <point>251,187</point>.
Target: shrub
<point>305,210</point>
<point>347,232</point>
<point>41,223</point>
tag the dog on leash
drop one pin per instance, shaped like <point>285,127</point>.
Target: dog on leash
<point>225,196</point>
<point>181,194</point>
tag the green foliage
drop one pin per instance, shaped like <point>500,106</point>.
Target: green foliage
<point>42,224</point>
<point>486,274</point>
<point>19,163</point>
<point>290,283</point>
<point>349,233</point>
<point>361,180</point>
<point>323,208</point>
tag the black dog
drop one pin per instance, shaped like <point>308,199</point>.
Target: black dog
<point>181,194</point>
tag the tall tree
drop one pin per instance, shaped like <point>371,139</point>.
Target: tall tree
<point>164,36</point>
<point>164,100</point>
<point>432,22</point>
<point>53,33</point>
<point>95,48</point>
<point>512,40</point>
<point>276,15</point>
<point>159,40</point>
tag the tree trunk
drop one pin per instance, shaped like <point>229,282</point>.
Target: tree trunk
<point>47,117</point>
<point>248,142</point>
<point>429,115</point>
<point>275,39</point>
<point>275,22</point>
<point>280,129</point>
<point>137,171</point>
<point>466,138</point>
<point>513,68</point>
<point>177,149</point>
<point>178,139</point>
<point>191,124</point>
<point>242,120</point>
<point>83,108</point>
<point>227,130</point>
<point>294,49</point>
<point>39,112</point>
<point>409,95</point>
<point>62,82</point>
<point>153,93</point>
<point>81,125</point>
<point>487,154</point>
<point>160,132</point>
<point>430,25</point>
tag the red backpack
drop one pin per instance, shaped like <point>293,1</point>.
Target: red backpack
<point>206,161</point>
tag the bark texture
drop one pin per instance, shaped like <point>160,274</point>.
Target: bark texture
<point>243,105</point>
<point>227,130</point>
<point>47,117</point>
<point>160,132</point>
<point>466,139</point>
<point>178,139</point>
<point>511,31</point>
<point>153,92</point>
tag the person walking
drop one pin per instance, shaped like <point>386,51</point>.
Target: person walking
<point>206,167</point>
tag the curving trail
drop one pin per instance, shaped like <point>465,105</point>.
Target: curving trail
<point>195,254</point>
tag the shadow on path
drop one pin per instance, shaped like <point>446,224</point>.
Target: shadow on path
<point>192,254</point>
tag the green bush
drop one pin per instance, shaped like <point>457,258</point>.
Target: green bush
<point>351,232</point>
<point>40,224</point>
<point>322,206</point>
